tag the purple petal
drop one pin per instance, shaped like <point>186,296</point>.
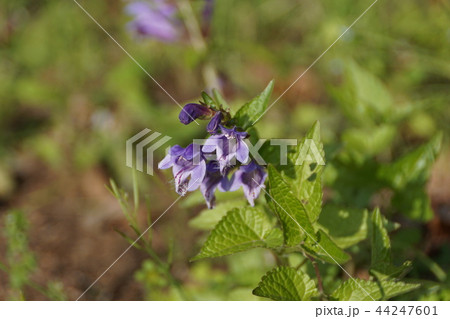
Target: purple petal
<point>208,189</point>
<point>176,150</point>
<point>250,195</point>
<point>242,152</point>
<point>225,184</point>
<point>193,111</point>
<point>166,162</point>
<point>213,125</point>
<point>153,20</point>
<point>209,196</point>
<point>197,175</point>
<point>189,152</point>
<point>223,147</point>
<point>211,144</point>
<point>235,181</point>
<point>137,8</point>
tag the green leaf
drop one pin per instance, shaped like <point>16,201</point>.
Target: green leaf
<point>290,211</point>
<point>413,167</point>
<point>348,226</point>
<point>304,172</point>
<point>219,99</point>
<point>408,176</point>
<point>250,112</point>
<point>239,230</point>
<point>208,218</point>
<point>364,290</point>
<point>414,203</point>
<point>208,100</point>
<point>381,264</point>
<point>285,283</point>
<point>363,98</point>
<point>381,245</point>
<point>326,249</point>
<point>196,198</point>
<point>365,142</point>
<point>275,238</point>
<point>369,89</point>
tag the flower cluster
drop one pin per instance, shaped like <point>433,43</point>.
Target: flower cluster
<point>222,162</point>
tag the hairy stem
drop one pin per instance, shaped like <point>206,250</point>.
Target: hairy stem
<point>319,278</point>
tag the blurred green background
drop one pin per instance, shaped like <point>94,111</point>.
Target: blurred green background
<point>70,98</point>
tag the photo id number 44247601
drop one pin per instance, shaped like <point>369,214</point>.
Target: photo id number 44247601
<point>407,310</point>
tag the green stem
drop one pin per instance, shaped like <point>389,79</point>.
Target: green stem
<point>135,192</point>
<point>198,42</point>
<point>302,263</point>
<point>162,266</point>
<point>280,258</point>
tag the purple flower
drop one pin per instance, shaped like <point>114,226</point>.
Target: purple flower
<point>228,146</point>
<point>212,181</point>
<point>154,19</point>
<point>188,166</point>
<point>208,10</point>
<point>213,125</point>
<point>251,177</point>
<point>193,111</point>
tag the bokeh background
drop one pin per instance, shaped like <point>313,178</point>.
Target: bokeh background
<point>70,98</point>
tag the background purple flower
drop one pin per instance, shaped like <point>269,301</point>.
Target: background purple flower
<point>251,178</point>
<point>208,10</point>
<point>154,19</point>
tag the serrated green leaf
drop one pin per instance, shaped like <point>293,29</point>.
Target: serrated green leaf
<point>285,283</point>
<point>381,264</point>
<point>381,245</point>
<point>251,112</point>
<point>304,172</point>
<point>364,290</point>
<point>413,167</point>
<point>238,230</point>
<point>389,271</point>
<point>408,175</point>
<point>208,218</point>
<point>325,248</point>
<point>290,211</point>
